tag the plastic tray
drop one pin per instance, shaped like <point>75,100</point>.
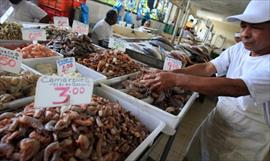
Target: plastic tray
<point>171,120</point>
<point>119,79</point>
<point>14,44</point>
<point>57,56</point>
<point>83,70</point>
<point>153,124</point>
<point>14,105</point>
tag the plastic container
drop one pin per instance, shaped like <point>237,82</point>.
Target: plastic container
<point>119,79</point>
<point>84,71</point>
<point>14,105</point>
<point>153,124</point>
<point>56,56</point>
<point>171,120</point>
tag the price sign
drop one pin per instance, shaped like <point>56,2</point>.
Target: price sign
<point>118,44</point>
<point>10,60</point>
<point>54,91</point>
<point>34,34</point>
<point>66,65</point>
<point>61,21</point>
<point>80,28</point>
<point>171,64</point>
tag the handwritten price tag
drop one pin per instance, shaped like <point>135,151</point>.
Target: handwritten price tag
<point>171,64</point>
<point>10,60</point>
<point>66,65</point>
<point>118,44</point>
<point>54,91</point>
<point>61,21</point>
<point>34,34</point>
<point>80,28</point>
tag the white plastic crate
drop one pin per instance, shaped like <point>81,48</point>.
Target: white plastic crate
<point>171,120</point>
<point>56,56</point>
<point>153,124</point>
<point>13,105</point>
<point>84,71</point>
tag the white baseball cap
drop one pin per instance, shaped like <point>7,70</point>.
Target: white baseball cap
<point>257,11</point>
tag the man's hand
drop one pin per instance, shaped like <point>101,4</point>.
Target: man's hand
<point>151,70</point>
<point>160,81</point>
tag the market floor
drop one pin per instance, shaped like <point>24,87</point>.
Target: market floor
<point>194,117</point>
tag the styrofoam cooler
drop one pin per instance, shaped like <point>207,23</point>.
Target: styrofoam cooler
<point>83,70</point>
<point>171,120</point>
<point>153,124</point>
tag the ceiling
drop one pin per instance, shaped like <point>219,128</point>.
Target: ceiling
<point>222,7</point>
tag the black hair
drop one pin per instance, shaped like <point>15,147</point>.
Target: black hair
<point>111,13</point>
<point>111,17</point>
<point>15,1</point>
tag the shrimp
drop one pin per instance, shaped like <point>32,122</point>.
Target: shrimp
<point>28,148</point>
<point>83,142</point>
<point>6,150</point>
<point>6,115</point>
<point>50,149</point>
<point>50,126</point>
<point>41,138</point>
<point>31,122</point>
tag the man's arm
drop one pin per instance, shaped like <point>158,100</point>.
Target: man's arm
<point>203,69</point>
<point>215,86</point>
<point>206,85</point>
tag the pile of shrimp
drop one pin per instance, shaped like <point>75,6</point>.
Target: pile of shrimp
<point>101,130</point>
<point>112,63</point>
<point>35,51</point>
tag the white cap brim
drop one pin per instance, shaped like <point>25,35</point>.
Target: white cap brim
<point>247,18</point>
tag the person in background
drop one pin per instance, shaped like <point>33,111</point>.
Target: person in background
<point>236,130</point>
<point>189,24</point>
<point>237,37</point>
<point>187,34</point>
<point>103,29</point>
<point>147,24</point>
<point>128,18</point>
<point>26,11</point>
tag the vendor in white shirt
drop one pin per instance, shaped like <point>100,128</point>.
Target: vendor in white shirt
<point>103,29</point>
<point>237,129</point>
<point>146,25</point>
<point>26,11</point>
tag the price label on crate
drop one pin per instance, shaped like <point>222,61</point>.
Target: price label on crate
<point>80,28</point>
<point>119,44</point>
<point>61,21</point>
<point>171,64</point>
<point>54,91</point>
<point>34,34</point>
<point>66,65</point>
<point>10,60</point>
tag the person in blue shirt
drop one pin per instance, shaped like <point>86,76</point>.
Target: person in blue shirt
<point>128,18</point>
